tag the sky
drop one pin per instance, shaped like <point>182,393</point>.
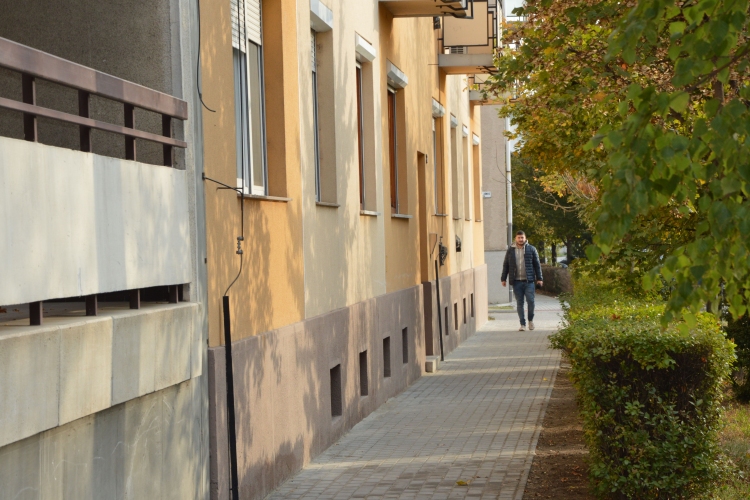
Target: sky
<point>509,5</point>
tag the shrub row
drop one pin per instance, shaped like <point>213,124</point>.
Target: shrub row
<point>651,398</point>
<point>557,280</point>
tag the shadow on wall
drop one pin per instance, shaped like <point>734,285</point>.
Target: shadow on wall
<point>98,35</point>
<point>285,390</point>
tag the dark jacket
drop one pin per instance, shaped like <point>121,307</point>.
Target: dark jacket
<point>533,267</point>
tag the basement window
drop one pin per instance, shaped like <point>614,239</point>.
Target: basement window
<point>363,382</point>
<point>336,400</point>
<point>405,345</point>
<point>386,357</point>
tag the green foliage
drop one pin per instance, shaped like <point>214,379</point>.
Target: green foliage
<point>651,397</point>
<point>557,280</point>
<point>739,332</point>
<point>684,146</point>
<point>663,87</point>
<point>541,212</point>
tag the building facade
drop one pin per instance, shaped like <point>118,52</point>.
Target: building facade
<point>103,381</point>
<point>225,225</point>
<point>498,199</point>
<point>346,134</point>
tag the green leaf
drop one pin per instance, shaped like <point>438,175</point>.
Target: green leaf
<point>593,252</point>
<point>679,101</point>
<point>677,28</point>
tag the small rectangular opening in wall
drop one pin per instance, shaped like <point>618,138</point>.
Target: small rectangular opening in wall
<point>472,305</point>
<point>386,357</point>
<point>446,320</point>
<point>363,382</point>
<point>455,315</point>
<point>464,310</point>
<point>336,403</point>
<point>405,345</point>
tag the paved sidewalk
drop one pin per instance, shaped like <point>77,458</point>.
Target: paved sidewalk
<point>468,431</point>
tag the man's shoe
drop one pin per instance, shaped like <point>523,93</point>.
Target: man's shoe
<point>531,325</point>
<point>522,329</point>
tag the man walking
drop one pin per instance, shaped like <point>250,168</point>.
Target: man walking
<point>522,269</point>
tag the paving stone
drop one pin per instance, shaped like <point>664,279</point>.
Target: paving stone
<point>476,420</point>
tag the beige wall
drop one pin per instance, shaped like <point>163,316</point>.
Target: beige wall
<point>493,176</point>
<point>343,250</point>
<point>304,258</point>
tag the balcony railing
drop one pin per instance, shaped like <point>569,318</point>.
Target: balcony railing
<point>467,45</point>
<point>83,227</point>
<point>428,8</point>
<point>34,64</point>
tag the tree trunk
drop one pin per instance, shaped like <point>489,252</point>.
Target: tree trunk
<point>554,254</point>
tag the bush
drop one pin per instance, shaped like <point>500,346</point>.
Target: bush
<point>557,280</point>
<point>651,398</point>
<point>739,331</point>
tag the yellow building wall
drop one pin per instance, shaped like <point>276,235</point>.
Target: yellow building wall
<point>269,291</point>
<point>301,258</point>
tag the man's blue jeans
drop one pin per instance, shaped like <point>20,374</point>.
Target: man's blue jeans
<point>524,290</point>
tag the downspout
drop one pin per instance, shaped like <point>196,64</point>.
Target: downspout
<point>508,199</point>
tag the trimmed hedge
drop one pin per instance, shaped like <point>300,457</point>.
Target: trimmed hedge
<point>557,280</point>
<point>651,398</point>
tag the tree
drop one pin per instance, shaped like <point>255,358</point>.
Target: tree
<point>545,216</point>
<point>663,88</point>
<point>684,146</point>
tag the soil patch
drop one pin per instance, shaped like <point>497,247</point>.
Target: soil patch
<point>559,470</point>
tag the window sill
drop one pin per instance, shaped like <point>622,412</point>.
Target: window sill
<point>278,199</point>
<point>456,218</point>
<point>468,220</point>
<point>401,216</point>
<point>327,204</point>
<point>440,215</point>
<point>370,213</point>
<point>478,220</point>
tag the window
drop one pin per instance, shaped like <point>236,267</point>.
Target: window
<point>405,345</point>
<point>337,407</point>
<point>446,320</point>
<point>316,134</point>
<point>393,148</point>
<point>363,379</point>
<point>454,168</point>
<point>455,315</point>
<point>325,121</point>
<point>477,180</point>
<point>360,138</point>
<point>467,187</point>
<point>386,357</point>
<point>437,163</point>
<point>252,174</point>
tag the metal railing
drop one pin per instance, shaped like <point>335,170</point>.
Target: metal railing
<point>34,64</point>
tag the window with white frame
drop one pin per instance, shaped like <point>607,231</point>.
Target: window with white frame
<point>316,126</point>
<point>252,174</point>
<point>360,137</point>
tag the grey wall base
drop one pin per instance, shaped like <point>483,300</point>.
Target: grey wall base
<point>454,289</point>
<point>283,388</point>
<point>149,447</point>
<point>497,294</point>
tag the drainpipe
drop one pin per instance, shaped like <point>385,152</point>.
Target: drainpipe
<point>508,200</point>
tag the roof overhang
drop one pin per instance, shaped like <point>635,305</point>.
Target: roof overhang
<point>428,8</point>
<point>466,64</point>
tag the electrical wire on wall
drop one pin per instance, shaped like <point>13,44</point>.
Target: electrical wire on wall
<point>198,63</point>
<point>227,322</point>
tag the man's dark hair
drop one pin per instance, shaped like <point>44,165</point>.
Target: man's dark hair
<point>520,233</point>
